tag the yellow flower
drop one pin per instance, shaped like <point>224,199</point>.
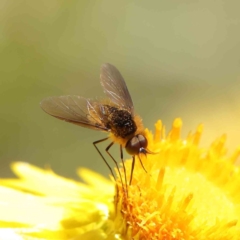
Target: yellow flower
<point>43,205</point>
<point>187,193</point>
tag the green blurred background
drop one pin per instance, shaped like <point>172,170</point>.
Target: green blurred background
<point>179,59</point>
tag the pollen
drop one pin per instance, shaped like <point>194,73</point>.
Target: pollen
<point>188,192</point>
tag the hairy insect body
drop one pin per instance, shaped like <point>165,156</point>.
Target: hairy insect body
<point>120,122</point>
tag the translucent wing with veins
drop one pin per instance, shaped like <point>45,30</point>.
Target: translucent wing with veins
<point>91,113</point>
<point>75,109</point>
<point>115,87</point>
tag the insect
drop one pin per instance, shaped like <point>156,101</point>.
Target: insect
<point>114,115</point>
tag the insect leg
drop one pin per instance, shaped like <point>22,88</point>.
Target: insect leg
<point>109,154</point>
<point>133,164</point>
<point>124,169</point>
<point>95,145</point>
<point>140,160</point>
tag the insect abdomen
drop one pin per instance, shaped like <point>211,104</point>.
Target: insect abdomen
<point>120,122</point>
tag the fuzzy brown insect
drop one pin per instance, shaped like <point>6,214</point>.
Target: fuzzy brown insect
<point>114,115</point>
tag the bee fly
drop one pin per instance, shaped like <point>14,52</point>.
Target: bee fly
<point>114,115</point>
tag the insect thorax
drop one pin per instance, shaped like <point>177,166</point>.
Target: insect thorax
<point>119,121</point>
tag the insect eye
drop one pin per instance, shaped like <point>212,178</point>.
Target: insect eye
<point>135,144</point>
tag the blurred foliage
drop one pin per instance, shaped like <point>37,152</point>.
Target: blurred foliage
<point>179,58</point>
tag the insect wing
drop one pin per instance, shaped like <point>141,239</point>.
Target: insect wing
<point>115,87</point>
<point>75,109</point>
